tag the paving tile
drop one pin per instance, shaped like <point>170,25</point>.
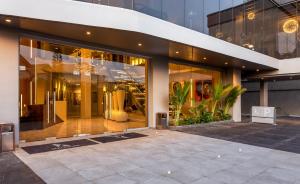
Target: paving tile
<point>114,179</point>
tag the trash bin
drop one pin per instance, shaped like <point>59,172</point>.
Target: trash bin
<point>7,137</point>
<point>161,120</point>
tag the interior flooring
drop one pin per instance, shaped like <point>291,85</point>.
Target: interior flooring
<point>78,126</point>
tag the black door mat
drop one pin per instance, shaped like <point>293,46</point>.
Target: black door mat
<point>119,137</point>
<point>57,146</point>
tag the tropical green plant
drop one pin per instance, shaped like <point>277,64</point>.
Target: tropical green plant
<point>179,97</point>
<point>231,98</point>
<point>219,93</point>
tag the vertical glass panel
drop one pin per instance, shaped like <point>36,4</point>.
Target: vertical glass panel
<point>194,14</point>
<point>211,17</point>
<point>69,91</point>
<point>121,3</point>
<point>173,11</point>
<point>149,7</point>
<point>201,81</point>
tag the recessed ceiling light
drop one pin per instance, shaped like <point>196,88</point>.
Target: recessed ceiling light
<point>243,66</point>
<point>204,58</point>
<point>226,63</point>
<point>262,78</point>
<point>177,52</point>
<point>257,70</point>
<point>88,33</point>
<point>140,44</point>
<point>8,20</point>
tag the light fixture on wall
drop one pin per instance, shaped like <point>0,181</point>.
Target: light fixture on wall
<point>251,16</point>
<point>290,26</point>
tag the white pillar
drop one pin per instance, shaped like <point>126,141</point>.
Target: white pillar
<point>233,76</point>
<point>263,93</point>
<point>158,89</point>
<point>9,78</point>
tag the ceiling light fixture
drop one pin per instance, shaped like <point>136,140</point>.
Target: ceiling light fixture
<point>243,66</point>
<point>251,16</point>
<point>290,26</point>
<point>204,58</point>
<point>257,70</point>
<point>8,20</point>
<point>177,52</point>
<point>88,33</point>
<point>226,63</point>
<point>139,44</point>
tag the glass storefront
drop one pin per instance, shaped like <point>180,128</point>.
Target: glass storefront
<point>70,91</point>
<point>200,79</point>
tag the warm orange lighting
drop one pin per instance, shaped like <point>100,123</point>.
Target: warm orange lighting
<point>257,70</point>
<point>177,52</point>
<point>226,63</point>
<point>251,16</point>
<point>8,20</point>
<point>139,44</point>
<point>290,26</point>
<point>243,66</point>
<point>88,33</point>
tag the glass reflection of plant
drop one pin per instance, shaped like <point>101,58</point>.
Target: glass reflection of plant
<point>178,98</point>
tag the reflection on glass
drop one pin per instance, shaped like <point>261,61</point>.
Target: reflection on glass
<point>201,80</point>
<point>69,91</point>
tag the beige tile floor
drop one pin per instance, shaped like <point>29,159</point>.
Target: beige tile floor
<point>166,157</point>
<point>74,127</point>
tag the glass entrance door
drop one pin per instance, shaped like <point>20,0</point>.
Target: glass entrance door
<point>70,91</point>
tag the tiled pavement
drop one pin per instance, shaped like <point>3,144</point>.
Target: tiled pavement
<point>14,171</point>
<point>284,136</point>
<point>166,157</point>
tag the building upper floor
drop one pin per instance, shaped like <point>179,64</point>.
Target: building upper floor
<point>266,26</point>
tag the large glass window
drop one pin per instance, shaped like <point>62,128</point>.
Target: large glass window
<point>70,91</point>
<point>122,3</point>
<point>173,11</point>
<point>194,14</point>
<point>149,7</point>
<point>201,80</point>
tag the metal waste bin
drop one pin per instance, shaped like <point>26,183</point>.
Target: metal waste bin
<point>7,137</point>
<point>161,120</point>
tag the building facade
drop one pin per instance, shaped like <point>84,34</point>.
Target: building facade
<point>75,68</point>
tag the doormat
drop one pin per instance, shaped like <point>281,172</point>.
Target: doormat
<point>119,137</point>
<point>58,146</point>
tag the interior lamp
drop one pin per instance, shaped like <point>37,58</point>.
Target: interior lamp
<point>290,26</point>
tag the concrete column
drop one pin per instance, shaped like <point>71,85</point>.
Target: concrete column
<point>86,86</point>
<point>233,76</point>
<point>9,78</point>
<point>263,93</point>
<point>158,89</point>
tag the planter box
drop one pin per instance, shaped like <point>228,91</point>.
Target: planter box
<point>202,124</point>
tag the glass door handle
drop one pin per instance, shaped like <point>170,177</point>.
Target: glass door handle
<point>48,107</point>
<point>54,107</point>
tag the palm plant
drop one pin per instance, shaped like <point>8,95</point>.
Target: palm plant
<point>178,98</point>
<point>232,96</point>
<point>219,93</point>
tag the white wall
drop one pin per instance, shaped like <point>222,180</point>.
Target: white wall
<point>233,76</point>
<point>9,78</point>
<point>158,89</point>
